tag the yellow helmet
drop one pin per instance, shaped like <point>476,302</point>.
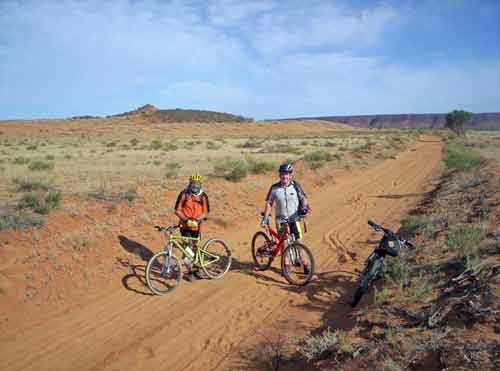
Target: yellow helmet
<point>196,177</point>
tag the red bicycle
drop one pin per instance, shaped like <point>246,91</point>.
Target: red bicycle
<point>297,261</point>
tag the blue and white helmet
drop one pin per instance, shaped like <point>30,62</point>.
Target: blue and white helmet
<point>286,168</point>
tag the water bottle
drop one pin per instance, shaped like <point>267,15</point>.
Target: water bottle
<point>189,252</point>
<point>187,261</point>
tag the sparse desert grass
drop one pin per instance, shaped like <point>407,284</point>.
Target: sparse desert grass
<point>459,158</point>
<point>20,220</point>
<point>129,195</point>
<point>336,342</point>
<point>172,169</point>
<point>231,169</point>
<point>28,184</point>
<point>136,156</point>
<point>40,203</point>
<point>318,159</point>
<point>465,239</point>
<point>40,165</point>
<point>21,160</point>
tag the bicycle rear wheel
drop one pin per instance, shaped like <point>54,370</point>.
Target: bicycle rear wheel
<point>215,258</point>
<point>163,273</point>
<point>261,250</point>
<point>297,264</point>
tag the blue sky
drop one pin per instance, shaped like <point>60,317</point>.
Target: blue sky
<point>262,59</point>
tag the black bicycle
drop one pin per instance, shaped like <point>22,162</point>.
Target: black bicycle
<point>390,244</point>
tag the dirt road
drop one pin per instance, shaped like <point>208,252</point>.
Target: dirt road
<point>223,324</point>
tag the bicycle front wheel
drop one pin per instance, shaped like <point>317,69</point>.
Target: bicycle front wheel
<point>262,250</point>
<point>297,264</point>
<point>367,277</point>
<point>215,258</point>
<point>163,273</point>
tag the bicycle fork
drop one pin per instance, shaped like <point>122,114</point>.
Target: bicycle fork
<point>166,267</point>
<point>295,256</point>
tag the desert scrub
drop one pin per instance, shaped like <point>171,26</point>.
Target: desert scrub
<point>336,342</point>
<point>251,143</point>
<point>256,166</point>
<point>20,220</point>
<point>27,184</point>
<point>170,147</point>
<point>40,203</point>
<point>230,169</point>
<point>21,160</point>
<point>464,239</point>
<point>156,144</point>
<point>413,224</point>
<point>213,146</point>
<point>458,158</point>
<point>318,159</point>
<point>173,169</point>
<point>40,165</point>
<point>282,148</point>
<point>129,195</point>
<point>398,271</point>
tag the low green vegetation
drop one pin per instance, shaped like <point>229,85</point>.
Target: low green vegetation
<point>461,159</point>
<point>40,165</point>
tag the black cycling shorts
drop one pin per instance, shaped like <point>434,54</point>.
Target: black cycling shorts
<point>295,229</point>
<point>190,233</point>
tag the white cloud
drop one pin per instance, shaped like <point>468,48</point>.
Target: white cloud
<point>235,12</point>
<point>320,25</point>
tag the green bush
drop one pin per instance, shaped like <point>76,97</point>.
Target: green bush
<point>233,170</point>
<point>172,169</point>
<point>134,141</point>
<point>282,148</point>
<point>258,167</point>
<point>50,157</point>
<point>129,195</point>
<point>156,144</point>
<point>21,161</point>
<point>170,147</point>
<point>250,143</point>
<point>38,203</point>
<point>464,239</point>
<point>32,147</point>
<point>459,158</point>
<point>53,199</point>
<point>414,224</point>
<point>39,165</point>
<point>318,159</point>
<point>335,342</point>
<point>399,272</point>
<point>27,184</point>
<point>213,146</point>
<point>20,221</point>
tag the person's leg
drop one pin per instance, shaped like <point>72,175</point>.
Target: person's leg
<point>192,273</point>
<point>296,230</point>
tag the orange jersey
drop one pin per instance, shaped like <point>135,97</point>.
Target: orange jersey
<point>192,206</point>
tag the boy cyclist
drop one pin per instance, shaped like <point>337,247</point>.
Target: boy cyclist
<point>192,207</point>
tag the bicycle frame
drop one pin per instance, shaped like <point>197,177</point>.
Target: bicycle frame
<point>278,239</point>
<point>177,241</point>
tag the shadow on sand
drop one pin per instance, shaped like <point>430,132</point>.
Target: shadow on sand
<point>135,281</point>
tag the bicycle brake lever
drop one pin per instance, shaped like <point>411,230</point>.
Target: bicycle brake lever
<point>158,228</point>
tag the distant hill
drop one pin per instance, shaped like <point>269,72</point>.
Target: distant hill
<point>414,121</point>
<point>153,114</point>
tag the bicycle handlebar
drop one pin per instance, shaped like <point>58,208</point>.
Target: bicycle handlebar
<point>172,228</point>
<point>379,228</point>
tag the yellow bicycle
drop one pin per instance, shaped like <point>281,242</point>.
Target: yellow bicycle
<point>164,269</point>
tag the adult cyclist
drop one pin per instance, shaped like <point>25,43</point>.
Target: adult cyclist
<point>291,203</point>
<point>192,207</point>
